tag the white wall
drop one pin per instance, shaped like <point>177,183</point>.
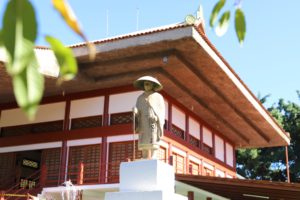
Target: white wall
<point>178,118</point>
<point>228,176</point>
<point>194,159</point>
<point>207,136</point>
<point>29,147</point>
<point>87,107</point>
<point>123,102</point>
<point>46,112</point>
<point>82,142</point>
<point>122,138</point>
<point>178,151</point>
<point>220,173</point>
<point>208,166</point>
<point>194,127</point>
<point>219,148</point>
<point>229,154</point>
<point>166,110</point>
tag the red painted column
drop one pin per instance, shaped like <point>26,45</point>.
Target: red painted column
<point>80,173</point>
<point>2,195</point>
<point>0,120</point>
<point>43,175</point>
<point>105,111</point>
<point>213,145</point>
<point>287,164</point>
<point>103,165</point>
<point>225,156</point>
<point>187,128</point>
<point>170,154</point>
<point>169,117</point>
<point>187,163</point>
<point>190,195</point>
<point>103,161</point>
<point>63,162</point>
<point>64,148</point>
<point>201,137</point>
<point>234,158</point>
<point>67,115</point>
<point>201,170</point>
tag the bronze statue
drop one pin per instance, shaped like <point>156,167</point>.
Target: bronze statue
<point>149,116</point>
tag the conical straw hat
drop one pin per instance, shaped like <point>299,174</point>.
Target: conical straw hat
<point>139,83</point>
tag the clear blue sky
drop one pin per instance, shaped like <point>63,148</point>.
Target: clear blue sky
<point>268,62</point>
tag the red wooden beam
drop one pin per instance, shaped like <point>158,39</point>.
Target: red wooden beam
<point>190,195</point>
<point>80,173</point>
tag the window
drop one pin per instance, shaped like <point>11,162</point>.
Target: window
<point>194,168</point>
<point>121,118</point>
<point>86,122</point>
<point>90,156</point>
<point>120,152</point>
<point>178,163</point>
<point>51,159</point>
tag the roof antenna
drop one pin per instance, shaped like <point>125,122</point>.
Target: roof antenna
<point>107,21</point>
<point>137,18</point>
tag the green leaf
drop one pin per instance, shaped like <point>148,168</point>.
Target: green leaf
<point>28,88</point>
<point>223,24</point>
<point>215,12</point>
<point>19,33</point>
<point>65,58</point>
<point>1,38</point>
<point>65,10</point>
<point>240,25</point>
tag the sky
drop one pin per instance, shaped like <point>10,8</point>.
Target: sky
<point>268,62</point>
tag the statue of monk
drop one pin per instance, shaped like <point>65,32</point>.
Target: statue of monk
<point>149,115</point>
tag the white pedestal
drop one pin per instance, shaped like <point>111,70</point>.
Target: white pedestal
<point>145,195</point>
<point>146,180</point>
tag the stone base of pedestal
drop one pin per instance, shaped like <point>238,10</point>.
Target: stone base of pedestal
<point>145,195</point>
<point>146,180</point>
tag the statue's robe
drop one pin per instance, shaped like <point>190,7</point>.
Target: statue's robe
<point>150,119</point>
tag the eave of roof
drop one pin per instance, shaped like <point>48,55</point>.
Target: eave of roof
<point>191,58</point>
<point>242,188</point>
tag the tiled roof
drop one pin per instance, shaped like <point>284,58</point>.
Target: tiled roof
<point>242,188</point>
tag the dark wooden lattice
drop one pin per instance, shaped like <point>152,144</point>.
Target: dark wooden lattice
<point>207,148</point>
<point>194,141</point>
<point>177,131</point>
<point>120,152</point>
<point>121,118</point>
<point>7,170</point>
<point>51,159</point>
<point>90,156</point>
<point>47,127</point>
<point>42,127</point>
<point>86,122</point>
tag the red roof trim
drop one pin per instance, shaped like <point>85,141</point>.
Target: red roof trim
<point>235,74</point>
<point>198,28</point>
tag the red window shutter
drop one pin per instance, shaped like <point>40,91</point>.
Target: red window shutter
<point>178,162</point>
<point>194,168</point>
<point>162,154</point>
<point>90,156</point>
<point>51,159</point>
<point>7,170</point>
<point>120,152</point>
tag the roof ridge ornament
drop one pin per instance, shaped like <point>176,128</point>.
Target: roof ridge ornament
<point>198,20</point>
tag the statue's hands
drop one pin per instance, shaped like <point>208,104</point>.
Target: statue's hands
<point>135,110</point>
<point>155,118</point>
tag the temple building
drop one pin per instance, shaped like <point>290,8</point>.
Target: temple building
<point>83,129</point>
